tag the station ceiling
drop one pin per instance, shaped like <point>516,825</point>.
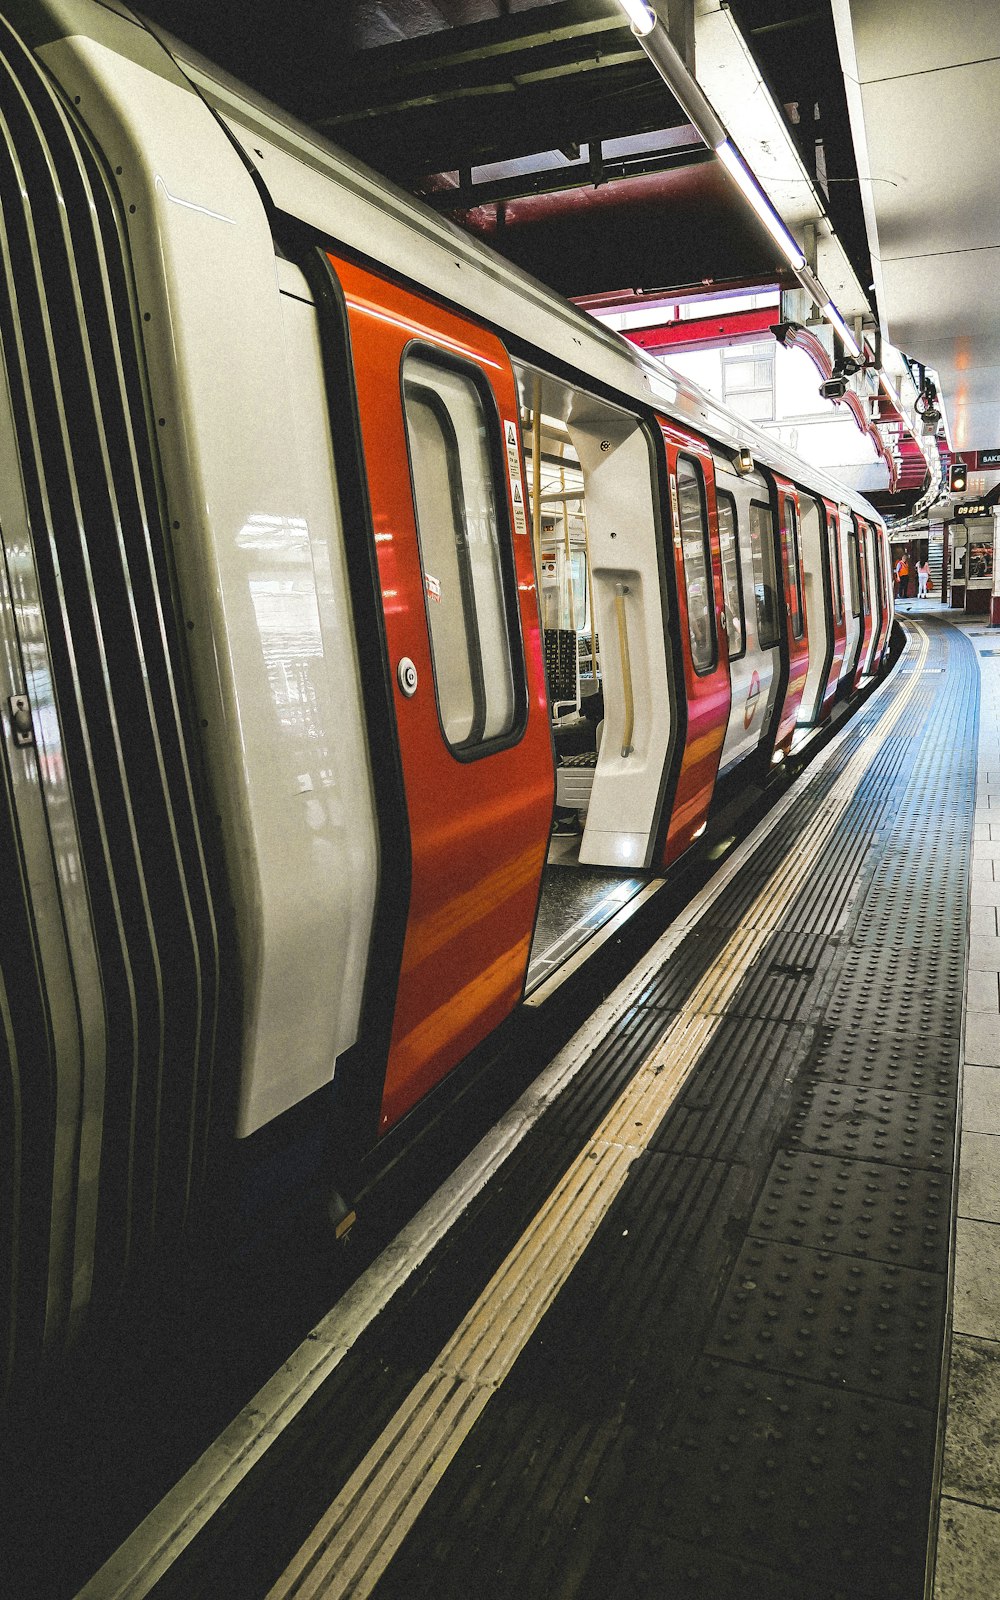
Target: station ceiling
<point>615,189</point>
<point>541,125</point>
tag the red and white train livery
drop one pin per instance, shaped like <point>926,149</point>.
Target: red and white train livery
<point>282,457</point>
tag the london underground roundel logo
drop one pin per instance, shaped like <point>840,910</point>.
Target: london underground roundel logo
<point>753,696</point>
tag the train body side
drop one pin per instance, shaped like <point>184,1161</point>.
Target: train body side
<point>286,796</point>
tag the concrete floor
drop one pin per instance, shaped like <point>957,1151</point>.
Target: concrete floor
<point>968,1551</point>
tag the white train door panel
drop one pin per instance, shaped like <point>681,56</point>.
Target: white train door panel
<point>625,802</point>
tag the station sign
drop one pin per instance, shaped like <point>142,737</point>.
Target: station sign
<point>988,458</point>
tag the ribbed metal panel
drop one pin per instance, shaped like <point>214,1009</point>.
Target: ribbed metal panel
<point>116,1125</point>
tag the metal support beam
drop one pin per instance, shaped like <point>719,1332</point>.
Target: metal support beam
<point>700,333</point>
<point>556,180</point>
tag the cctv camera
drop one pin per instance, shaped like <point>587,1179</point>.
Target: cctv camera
<point>833,388</point>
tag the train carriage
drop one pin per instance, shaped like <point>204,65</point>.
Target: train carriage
<point>288,463</point>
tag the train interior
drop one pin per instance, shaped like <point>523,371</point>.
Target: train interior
<point>590,484</point>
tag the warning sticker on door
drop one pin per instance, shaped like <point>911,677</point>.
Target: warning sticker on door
<point>676,510</point>
<point>514,473</point>
<point>753,700</point>
<point>433,587</point>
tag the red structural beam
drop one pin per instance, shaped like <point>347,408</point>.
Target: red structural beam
<point>696,333</point>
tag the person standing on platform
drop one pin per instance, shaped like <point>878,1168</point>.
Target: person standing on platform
<point>923,578</point>
<point>902,576</point>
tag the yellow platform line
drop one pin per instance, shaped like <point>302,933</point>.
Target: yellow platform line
<point>353,1543</point>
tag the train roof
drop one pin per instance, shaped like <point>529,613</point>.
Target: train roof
<point>312,180</point>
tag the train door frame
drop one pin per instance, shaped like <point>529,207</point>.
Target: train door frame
<point>821,622</point>
<point>416,985</point>
<point>854,613</point>
<point>838,603</point>
<point>885,579</point>
<point>869,613</point>
<point>753,685</point>
<point>877,592</point>
<point>707,692</point>
<point>624,516</point>
<point>795,653</point>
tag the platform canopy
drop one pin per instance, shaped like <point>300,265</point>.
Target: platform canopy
<point>543,126</point>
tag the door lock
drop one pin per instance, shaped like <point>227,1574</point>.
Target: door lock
<point>406,676</point>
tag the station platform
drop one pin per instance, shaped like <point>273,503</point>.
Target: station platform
<point>682,1324</point>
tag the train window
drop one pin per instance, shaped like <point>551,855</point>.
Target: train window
<point>466,581</point>
<point>765,578</point>
<point>836,584</point>
<point>793,570</point>
<point>858,545</point>
<point>697,567</point>
<point>732,583</point>
<point>852,571</point>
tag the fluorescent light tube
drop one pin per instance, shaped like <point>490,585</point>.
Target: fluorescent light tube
<point>642,17</point>
<point>831,314</point>
<point>741,173</point>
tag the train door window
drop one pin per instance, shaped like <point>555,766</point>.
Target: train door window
<point>467,581</point>
<point>697,565</point>
<point>793,570</point>
<point>765,578</point>
<point>577,586</point>
<point>852,571</point>
<point>861,557</point>
<point>732,582</point>
<point>836,584</point>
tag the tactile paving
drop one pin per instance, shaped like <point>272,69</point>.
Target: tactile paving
<point>886,1056</point>
<point>739,1093</point>
<point>871,1210</point>
<point>733,1394</point>
<point>532,1496</point>
<point>866,1123</point>
<point>649,1565</point>
<point>866,1325</point>
<point>669,988</point>
<point>787,980</point>
<point>793,1474</point>
<point>634,1312</point>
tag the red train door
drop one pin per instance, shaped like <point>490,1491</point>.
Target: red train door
<point>796,636</point>
<point>440,439</point>
<point>701,606</point>
<point>831,534</point>
<point>869,611</point>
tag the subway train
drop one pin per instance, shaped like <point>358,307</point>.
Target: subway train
<point>339,559</point>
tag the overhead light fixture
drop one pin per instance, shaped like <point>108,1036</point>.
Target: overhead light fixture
<point>693,101</point>
<point>833,316</point>
<point>741,174</point>
<point>641,16</point>
<point>886,383</point>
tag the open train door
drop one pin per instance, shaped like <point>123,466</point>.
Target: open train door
<point>453,589</point>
